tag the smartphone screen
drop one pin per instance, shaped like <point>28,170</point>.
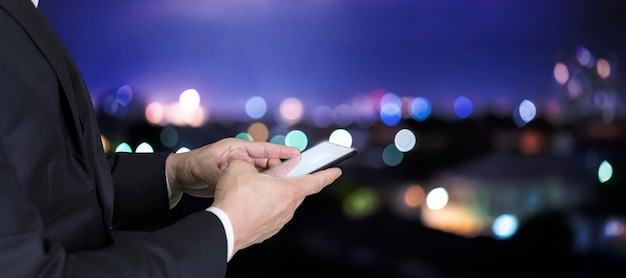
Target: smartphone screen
<point>318,157</point>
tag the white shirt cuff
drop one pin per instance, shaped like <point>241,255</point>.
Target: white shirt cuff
<point>228,228</point>
<point>169,189</point>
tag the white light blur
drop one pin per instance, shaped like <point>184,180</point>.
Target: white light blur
<point>605,171</point>
<point>437,198</point>
<point>405,140</point>
<point>505,226</point>
<point>183,150</point>
<point>291,110</point>
<point>341,137</point>
<point>144,148</point>
<point>561,73</point>
<point>527,110</point>
<point>189,100</point>
<point>256,107</point>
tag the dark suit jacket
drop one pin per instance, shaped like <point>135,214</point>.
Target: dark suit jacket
<point>60,196</point>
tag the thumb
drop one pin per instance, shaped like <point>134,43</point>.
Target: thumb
<point>314,183</point>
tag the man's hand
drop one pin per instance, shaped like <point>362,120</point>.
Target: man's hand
<point>259,205</point>
<point>197,172</point>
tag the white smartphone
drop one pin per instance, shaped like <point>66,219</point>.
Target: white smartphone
<point>321,156</point>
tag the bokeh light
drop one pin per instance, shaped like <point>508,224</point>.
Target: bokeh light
<point>584,57</point>
<point>123,148</point>
<point>296,139</point>
<point>124,95</point>
<point>175,114</point>
<point>392,156</point>
<point>258,131</point>
<point>291,110</point>
<point>112,107</point>
<point>604,68</point>
<point>605,171</point>
<point>183,150</point>
<point>414,196</point>
<point>343,115</point>
<point>420,108</point>
<point>614,227</point>
<point>244,136</point>
<point>574,88</point>
<point>390,109</point>
<point>532,142</point>
<point>106,145</point>
<point>390,114</point>
<point>561,73</point>
<point>360,202</point>
<point>504,226</point>
<point>169,137</point>
<point>278,139</point>
<point>341,137</point>
<point>463,107</point>
<point>437,198</point>
<point>144,147</point>
<point>455,219</point>
<point>256,107</point>
<point>404,140</point>
<point>527,111</point>
<point>323,116</point>
<point>155,113</point>
<point>364,111</point>
<point>189,100</point>
<point>196,117</point>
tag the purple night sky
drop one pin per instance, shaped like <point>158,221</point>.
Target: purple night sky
<point>328,51</point>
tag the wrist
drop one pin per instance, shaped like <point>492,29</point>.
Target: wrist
<point>175,190</point>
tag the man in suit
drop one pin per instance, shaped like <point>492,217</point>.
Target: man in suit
<point>61,198</point>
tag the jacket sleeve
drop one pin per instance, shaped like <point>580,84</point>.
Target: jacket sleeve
<point>192,247</point>
<point>141,201</point>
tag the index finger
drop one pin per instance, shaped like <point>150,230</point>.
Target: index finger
<point>270,150</point>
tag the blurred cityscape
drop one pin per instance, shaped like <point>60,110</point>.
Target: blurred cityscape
<point>474,178</point>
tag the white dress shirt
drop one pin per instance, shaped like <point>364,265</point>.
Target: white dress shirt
<point>228,226</point>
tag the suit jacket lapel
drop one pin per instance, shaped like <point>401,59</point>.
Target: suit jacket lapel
<point>53,49</point>
<point>51,46</point>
